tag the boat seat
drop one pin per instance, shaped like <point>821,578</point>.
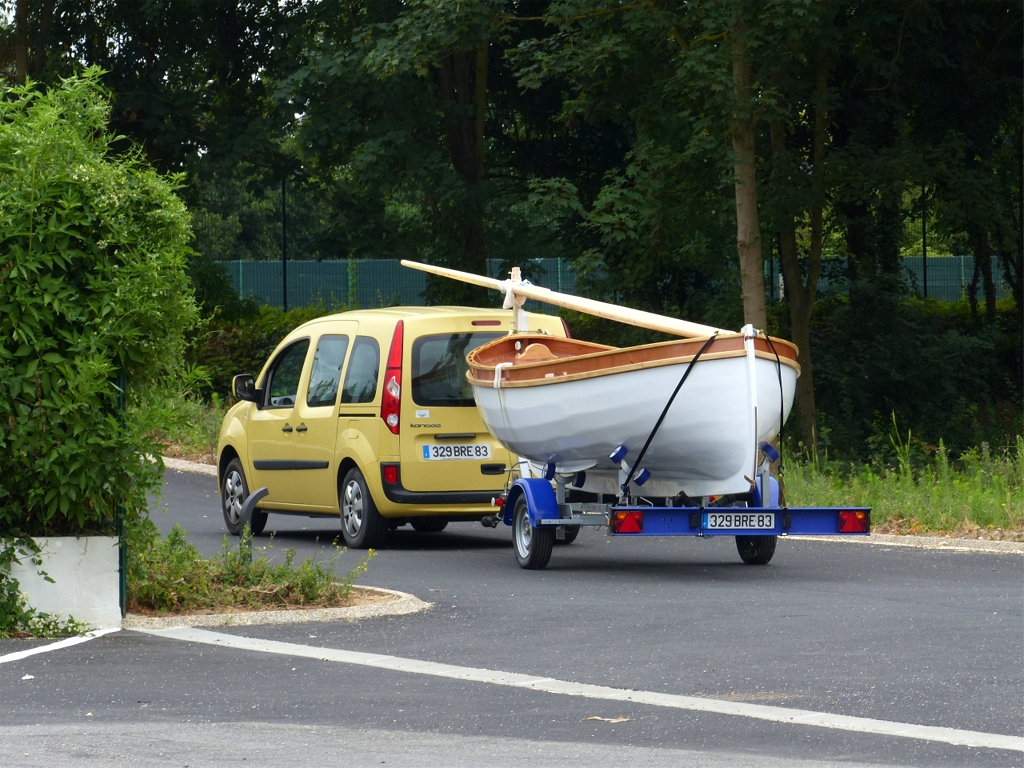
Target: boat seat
<point>536,353</point>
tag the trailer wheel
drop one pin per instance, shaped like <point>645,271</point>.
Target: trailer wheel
<point>756,550</point>
<point>571,532</point>
<point>532,545</point>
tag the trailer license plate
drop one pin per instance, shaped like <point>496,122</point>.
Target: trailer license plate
<point>451,451</point>
<point>735,521</point>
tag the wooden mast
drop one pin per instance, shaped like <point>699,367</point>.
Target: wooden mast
<point>625,315</point>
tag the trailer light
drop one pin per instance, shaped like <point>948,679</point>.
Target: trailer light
<point>498,502</point>
<point>391,474</point>
<point>854,521</point>
<point>628,522</point>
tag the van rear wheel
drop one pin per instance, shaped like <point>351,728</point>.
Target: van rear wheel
<point>362,526</point>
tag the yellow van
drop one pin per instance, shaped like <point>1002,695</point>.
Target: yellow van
<point>368,415</point>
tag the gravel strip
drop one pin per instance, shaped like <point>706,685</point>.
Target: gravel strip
<point>190,466</point>
<point>392,603</point>
<point>927,542</point>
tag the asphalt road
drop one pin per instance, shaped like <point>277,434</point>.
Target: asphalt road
<point>901,635</point>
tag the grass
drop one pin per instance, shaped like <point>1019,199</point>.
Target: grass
<point>193,428</point>
<point>981,494</point>
<point>172,577</point>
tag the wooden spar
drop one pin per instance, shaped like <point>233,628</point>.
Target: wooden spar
<point>625,315</point>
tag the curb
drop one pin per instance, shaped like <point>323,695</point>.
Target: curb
<point>395,604</point>
<point>879,539</point>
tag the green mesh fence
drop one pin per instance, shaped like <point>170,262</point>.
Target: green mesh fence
<point>367,283</point>
<point>385,282</point>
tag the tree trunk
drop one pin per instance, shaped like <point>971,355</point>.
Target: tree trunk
<point>800,293</point>
<point>21,41</point>
<point>748,228</point>
<point>462,81</point>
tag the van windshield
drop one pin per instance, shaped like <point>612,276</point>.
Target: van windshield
<point>439,368</point>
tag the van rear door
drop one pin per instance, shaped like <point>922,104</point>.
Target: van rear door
<point>444,444</point>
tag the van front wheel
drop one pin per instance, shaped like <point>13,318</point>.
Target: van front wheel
<point>362,526</point>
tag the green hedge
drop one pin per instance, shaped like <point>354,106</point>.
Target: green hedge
<point>93,292</point>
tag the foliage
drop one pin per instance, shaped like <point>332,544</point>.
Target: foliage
<point>171,576</point>
<point>93,289</point>
<point>192,428</point>
<point>17,618</point>
<point>941,372</point>
<point>922,490</point>
<point>225,347</point>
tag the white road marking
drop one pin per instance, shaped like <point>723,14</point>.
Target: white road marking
<point>57,646</point>
<point>651,698</point>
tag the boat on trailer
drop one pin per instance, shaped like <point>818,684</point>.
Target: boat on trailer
<point>570,404</point>
<point>688,423</point>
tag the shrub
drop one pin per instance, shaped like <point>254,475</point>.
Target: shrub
<point>93,295</point>
<point>225,347</point>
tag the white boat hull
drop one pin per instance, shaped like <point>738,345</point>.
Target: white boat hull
<point>706,446</point>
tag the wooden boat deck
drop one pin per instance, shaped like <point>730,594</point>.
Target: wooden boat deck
<point>540,359</point>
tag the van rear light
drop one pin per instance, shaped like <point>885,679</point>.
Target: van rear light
<point>854,521</point>
<point>628,522</point>
<point>391,401</point>
<point>391,474</point>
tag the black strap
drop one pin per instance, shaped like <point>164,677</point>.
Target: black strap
<point>650,437</point>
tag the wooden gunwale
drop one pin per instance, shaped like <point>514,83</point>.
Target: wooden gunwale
<point>604,363</point>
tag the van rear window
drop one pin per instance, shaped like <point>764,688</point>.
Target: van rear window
<point>439,368</point>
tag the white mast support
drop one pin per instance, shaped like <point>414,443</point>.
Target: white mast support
<point>749,334</point>
<point>519,322</point>
<point>625,315</point>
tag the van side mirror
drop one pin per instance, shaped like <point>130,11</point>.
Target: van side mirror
<point>244,387</point>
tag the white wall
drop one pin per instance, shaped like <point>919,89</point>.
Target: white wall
<point>86,576</point>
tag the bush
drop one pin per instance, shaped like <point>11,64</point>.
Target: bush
<point>225,347</point>
<point>93,296</point>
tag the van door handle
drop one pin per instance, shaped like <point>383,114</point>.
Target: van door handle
<point>301,428</point>
<point>286,428</point>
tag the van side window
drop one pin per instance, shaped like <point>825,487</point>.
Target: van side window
<point>326,373</point>
<point>283,384</point>
<point>363,371</point>
<point>439,368</point>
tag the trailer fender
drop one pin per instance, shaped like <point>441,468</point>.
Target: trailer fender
<point>540,500</point>
<point>773,492</point>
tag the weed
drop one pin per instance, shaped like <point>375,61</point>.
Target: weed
<point>171,576</point>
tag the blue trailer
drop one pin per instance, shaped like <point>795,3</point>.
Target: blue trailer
<point>541,511</point>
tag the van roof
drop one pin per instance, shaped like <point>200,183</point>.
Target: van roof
<point>404,313</point>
